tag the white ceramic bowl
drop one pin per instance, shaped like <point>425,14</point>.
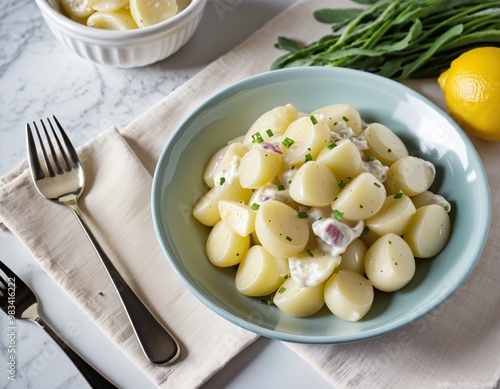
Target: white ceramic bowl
<point>426,130</point>
<point>124,49</point>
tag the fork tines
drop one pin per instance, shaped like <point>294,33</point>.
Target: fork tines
<point>53,164</point>
<point>8,280</point>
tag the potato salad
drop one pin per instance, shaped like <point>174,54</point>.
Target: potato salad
<point>121,14</point>
<point>320,208</point>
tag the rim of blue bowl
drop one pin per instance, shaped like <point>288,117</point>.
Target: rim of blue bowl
<point>275,76</point>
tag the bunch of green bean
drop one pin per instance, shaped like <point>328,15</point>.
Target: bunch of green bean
<point>397,38</point>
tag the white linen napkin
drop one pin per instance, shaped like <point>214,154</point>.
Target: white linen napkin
<point>456,345</point>
<point>116,204</point>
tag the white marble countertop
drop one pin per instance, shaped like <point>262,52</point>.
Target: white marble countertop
<point>39,77</point>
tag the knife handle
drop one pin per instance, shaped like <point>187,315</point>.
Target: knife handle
<point>91,375</point>
<point>159,346</point>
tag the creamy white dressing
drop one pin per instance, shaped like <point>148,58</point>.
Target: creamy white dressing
<point>286,177</point>
<point>270,192</point>
<point>376,168</point>
<point>360,142</point>
<point>334,236</point>
<point>317,213</point>
<point>344,133</point>
<point>228,175</point>
<point>314,270</point>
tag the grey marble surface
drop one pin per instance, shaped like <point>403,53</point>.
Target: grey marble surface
<point>39,77</point>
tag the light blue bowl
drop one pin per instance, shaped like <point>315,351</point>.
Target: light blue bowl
<point>427,131</point>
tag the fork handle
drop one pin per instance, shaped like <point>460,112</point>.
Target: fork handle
<point>91,375</point>
<point>156,342</point>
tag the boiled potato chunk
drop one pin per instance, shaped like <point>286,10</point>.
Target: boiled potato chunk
<point>361,198</point>
<point>147,13</point>
<point>343,159</point>
<point>427,198</point>
<point>353,257</point>
<point>207,208</point>
<point>258,167</point>
<point>109,5</point>
<point>307,137</point>
<point>208,174</point>
<point>384,144</point>
<point>120,19</point>
<point>339,114</point>
<point>429,231</point>
<point>280,230</point>
<point>389,263</point>
<point>411,175</point>
<point>297,301</point>
<point>313,185</point>
<point>349,295</point>
<point>229,161</point>
<point>312,267</point>
<point>225,247</point>
<point>369,237</point>
<point>276,120</point>
<point>260,273</point>
<point>77,9</point>
<point>394,216</point>
<point>239,217</point>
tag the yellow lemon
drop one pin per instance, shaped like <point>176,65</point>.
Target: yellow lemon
<point>472,89</point>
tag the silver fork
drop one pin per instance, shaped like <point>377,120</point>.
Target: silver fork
<point>18,301</point>
<point>63,181</point>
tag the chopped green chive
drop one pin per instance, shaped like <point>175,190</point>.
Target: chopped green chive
<point>365,231</point>
<point>345,119</point>
<point>313,119</point>
<point>342,184</point>
<point>257,138</point>
<point>222,180</point>
<point>308,158</point>
<point>255,206</point>
<point>338,215</point>
<point>281,290</point>
<point>308,251</point>
<point>269,133</point>
<point>361,206</point>
<point>288,238</point>
<point>377,184</point>
<point>281,187</point>
<point>372,158</point>
<point>331,146</point>
<point>287,142</point>
<point>268,301</point>
<point>398,195</point>
<point>446,208</point>
<point>302,215</point>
